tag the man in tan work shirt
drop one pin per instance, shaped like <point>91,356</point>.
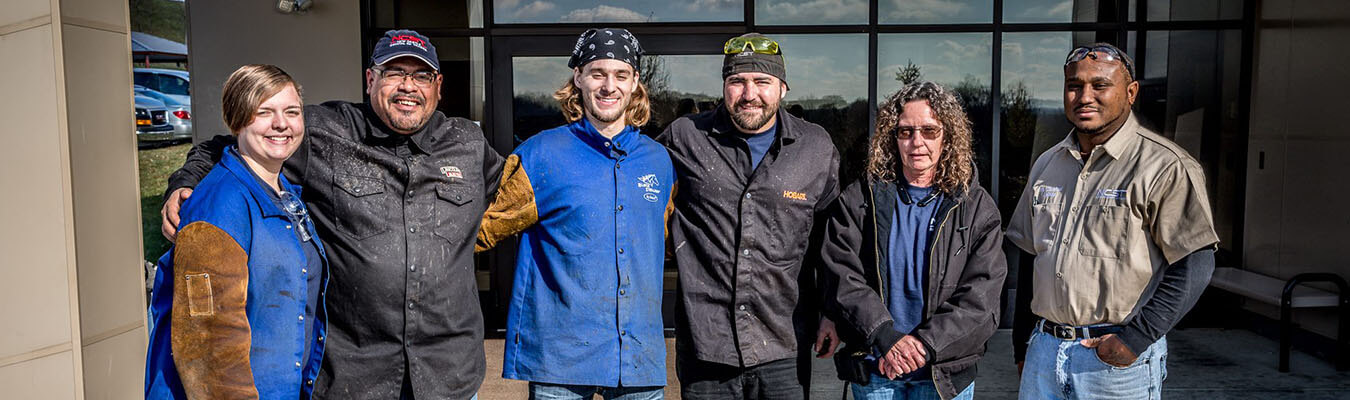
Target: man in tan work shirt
<point>1119,225</point>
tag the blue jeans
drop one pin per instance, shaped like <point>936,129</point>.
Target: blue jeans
<point>880,388</point>
<point>547,391</point>
<point>1064,369</point>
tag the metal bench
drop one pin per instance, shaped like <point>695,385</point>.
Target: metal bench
<point>1273,291</point>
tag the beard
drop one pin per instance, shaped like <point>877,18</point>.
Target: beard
<point>407,121</point>
<point>606,116</point>
<point>746,120</point>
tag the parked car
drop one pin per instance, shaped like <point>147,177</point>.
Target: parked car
<point>168,81</point>
<point>179,114</point>
<point>152,120</point>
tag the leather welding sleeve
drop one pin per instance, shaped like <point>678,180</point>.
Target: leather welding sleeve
<point>512,211</point>
<point>210,334</point>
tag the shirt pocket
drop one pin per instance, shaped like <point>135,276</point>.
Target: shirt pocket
<point>1105,232</point>
<point>360,205</point>
<point>453,211</point>
<point>1047,208</point>
<point>786,235</point>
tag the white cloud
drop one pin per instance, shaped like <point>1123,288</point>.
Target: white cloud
<point>924,10</point>
<point>715,5</point>
<point>505,4</point>
<point>1063,9</point>
<point>533,9</point>
<point>605,13</point>
<point>818,11</point>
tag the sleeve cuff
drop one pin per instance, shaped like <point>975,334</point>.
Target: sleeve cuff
<point>884,337</point>
<point>1135,339</point>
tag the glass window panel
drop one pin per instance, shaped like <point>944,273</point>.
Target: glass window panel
<point>935,11</point>
<point>1194,10</point>
<point>810,12</point>
<point>533,81</point>
<point>462,88</point>
<point>413,14</point>
<point>827,79</point>
<point>588,11</point>
<point>957,61</point>
<point>1057,10</point>
<point>1032,100</point>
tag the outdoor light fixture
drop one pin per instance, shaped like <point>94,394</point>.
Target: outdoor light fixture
<point>291,6</point>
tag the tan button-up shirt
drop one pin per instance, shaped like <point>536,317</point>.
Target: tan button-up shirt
<point>1102,228</point>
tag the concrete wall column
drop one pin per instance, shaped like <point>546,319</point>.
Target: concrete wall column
<point>71,294</point>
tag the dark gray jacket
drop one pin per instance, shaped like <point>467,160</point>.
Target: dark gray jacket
<point>965,275</point>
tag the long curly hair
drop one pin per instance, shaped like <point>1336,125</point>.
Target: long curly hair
<point>956,165</point>
<point>638,112</point>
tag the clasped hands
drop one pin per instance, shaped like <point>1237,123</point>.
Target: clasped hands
<point>907,355</point>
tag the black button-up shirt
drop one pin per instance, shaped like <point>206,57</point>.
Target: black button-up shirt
<point>398,215</point>
<point>741,235</point>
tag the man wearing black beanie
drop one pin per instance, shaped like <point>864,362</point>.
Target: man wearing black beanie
<point>753,181</point>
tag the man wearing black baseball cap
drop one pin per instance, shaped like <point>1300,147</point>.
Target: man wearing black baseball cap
<point>753,181</point>
<point>396,190</point>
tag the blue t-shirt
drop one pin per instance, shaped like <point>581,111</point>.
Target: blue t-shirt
<point>907,273</point>
<point>759,144</point>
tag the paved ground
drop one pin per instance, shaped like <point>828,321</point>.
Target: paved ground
<point>1208,364</point>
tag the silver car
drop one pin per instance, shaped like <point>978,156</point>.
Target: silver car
<point>152,120</point>
<point>178,115</point>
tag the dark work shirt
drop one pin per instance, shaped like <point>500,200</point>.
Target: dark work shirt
<point>908,258</point>
<point>758,144</point>
<point>398,215</point>
<point>740,239</point>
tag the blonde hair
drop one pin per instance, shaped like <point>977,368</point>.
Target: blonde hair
<point>639,109</point>
<point>956,165</point>
<point>247,88</point>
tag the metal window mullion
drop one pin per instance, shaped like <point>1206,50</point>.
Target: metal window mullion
<point>995,101</point>
<point>873,75</point>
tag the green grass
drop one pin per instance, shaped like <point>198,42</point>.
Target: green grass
<point>155,167</point>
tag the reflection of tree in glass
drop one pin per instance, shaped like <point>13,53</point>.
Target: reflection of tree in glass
<point>907,74</point>
<point>1019,130</point>
<point>667,103</point>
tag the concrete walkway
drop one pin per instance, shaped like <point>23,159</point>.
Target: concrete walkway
<point>1208,364</point>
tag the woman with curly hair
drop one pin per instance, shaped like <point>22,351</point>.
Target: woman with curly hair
<point>913,257</point>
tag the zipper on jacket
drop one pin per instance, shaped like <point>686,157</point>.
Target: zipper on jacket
<point>876,247</point>
<point>932,262</point>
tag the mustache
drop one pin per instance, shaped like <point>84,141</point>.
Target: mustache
<point>742,102</point>
<point>408,96</point>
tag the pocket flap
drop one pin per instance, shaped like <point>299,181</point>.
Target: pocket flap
<point>359,186</point>
<point>201,301</point>
<point>455,194</point>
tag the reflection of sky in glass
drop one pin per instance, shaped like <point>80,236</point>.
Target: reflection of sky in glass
<point>1045,11</point>
<point>823,65</point>
<point>1037,60</point>
<point>582,11</point>
<point>935,11</point>
<point>810,12</point>
<point>538,75</point>
<point>944,58</point>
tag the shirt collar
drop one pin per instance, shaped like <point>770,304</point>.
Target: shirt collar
<point>1115,147</point>
<point>380,133</point>
<point>261,194</point>
<point>615,147</point>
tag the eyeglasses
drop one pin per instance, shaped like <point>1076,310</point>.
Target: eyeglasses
<point>1081,52</point>
<point>396,76</point>
<point>296,212</point>
<point>928,132</point>
<point>758,44</point>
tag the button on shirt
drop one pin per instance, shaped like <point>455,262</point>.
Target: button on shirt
<point>586,299</point>
<point>740,235</point>
<point>1102,228</point>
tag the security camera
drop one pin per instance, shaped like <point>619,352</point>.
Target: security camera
<point>290,6</point>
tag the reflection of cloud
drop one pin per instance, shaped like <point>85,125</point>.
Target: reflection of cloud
<point>820,76</point>
<point>1012,50</point>
<point>531,10</point>
<point>1059,11</point>
<point>506,4</point>
<point>714,5</point>
<point>1063,8</point>
<point>539,75</point>
<point>604,13</point>
<point>817,11</point>
<point>924,10</point>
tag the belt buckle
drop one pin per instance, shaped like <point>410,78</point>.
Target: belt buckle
<point>1065,332</point>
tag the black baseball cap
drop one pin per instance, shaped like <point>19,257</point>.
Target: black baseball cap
<point>405,43</point>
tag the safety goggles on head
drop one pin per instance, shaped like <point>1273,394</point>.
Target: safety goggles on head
<point>758,44</point>
<point>1110,54</point>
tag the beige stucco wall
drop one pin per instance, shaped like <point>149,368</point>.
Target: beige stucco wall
<point>1296,218</point>
<point>71,293</point>
<point>321,49</point>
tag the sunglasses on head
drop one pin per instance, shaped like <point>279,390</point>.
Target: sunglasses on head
<point>1108,54</point>
<point>758,44</point>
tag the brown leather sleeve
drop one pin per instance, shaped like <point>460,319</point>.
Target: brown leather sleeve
<point>512,211</point>
<point>670,205</point>
<point>210,331</point>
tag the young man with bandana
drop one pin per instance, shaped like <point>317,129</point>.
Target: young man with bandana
<point>591,198</point>
<point>753,182</point>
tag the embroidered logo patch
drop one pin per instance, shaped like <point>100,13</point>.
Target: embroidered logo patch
<point>649,184</point>
<point>452,172</point>
<point>788,194</point>
<point>1113,194</point>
